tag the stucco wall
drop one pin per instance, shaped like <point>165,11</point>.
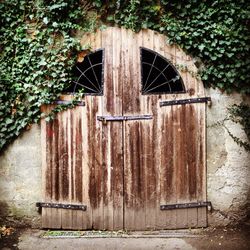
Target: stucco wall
<point>228,170</point>
<point>228,165</point>
<point>20,178</point>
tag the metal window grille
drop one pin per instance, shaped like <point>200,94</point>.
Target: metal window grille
<point>89,75</point>
<point>158,75</point>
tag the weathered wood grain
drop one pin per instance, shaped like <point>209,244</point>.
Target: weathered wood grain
<point>124,170</point>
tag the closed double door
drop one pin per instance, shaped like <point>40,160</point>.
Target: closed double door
<point>126,155</point>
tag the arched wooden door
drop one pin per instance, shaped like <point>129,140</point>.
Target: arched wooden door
<point>133,156</point>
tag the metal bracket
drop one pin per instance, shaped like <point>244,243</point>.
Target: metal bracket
<point>63,206</point>
<point>124,118</point>
<point>80,103</point>
<point>185,101</point>
<point>187,205</point>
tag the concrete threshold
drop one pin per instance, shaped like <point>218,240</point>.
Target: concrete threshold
<point>58,234</point>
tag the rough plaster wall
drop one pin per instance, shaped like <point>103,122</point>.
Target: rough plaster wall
<point>228,165</point>
<point>228,169</point>
<point>20,178</point>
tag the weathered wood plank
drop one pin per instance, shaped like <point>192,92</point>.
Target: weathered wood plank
<point>46,140</point>
<point>87,216</point>
<point>117,154</point>
<point>56,221</point>
<point>191,130</point>
<point>167,165</point>
<point>172,215</point>
<point>90,188</point>
<point>76,149</point>
<point>168,178</point>
<point>182,166</point>
<point>201,165</point>
<point>128,198</point>
<point>65,170</point>
<point>112,106</point>
<point>142,132</point>
<point>96,144</point>
<point>150,168</point>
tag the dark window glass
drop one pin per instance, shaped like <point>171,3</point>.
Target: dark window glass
<point>88,75</point>
<point>159,76</point>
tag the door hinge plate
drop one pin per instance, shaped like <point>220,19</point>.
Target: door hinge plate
<point>59,102</point>
<point>187,205</point>
<point>185,101</point>
<point>60,205</point>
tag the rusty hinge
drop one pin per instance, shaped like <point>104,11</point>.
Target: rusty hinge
<point>124,118</point>
<point>187,205</point>
<point>79,103</point>
<point>60,205</point>
<point>185,101</point>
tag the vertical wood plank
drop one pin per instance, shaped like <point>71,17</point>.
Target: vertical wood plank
<point>113,132</point>
<point>150,173</point>
<point>65,170</point>
<point>56,220</point>
<point>46,141</point>
<point>87,216</point>
<point>173,213</point>
<point>160,147</point>
<point>128,198</point>
<point>75,137</point>
<point>100,158</point>
<point>192,152</point>
<point>168,147</point>
<point>96,190</point>
<point>141,134</point>
<point>201,171</point>
<point>117,138</point>
<point>89,165</point>
<point>167,159</point>
<point>87,173</point>
<point>109,106</point>
<point>182,168</point>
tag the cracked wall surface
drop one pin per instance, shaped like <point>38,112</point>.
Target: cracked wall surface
<point>228,169</point>
<point>228,165</point>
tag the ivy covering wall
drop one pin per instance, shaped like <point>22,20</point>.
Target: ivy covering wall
<point>38,46</point>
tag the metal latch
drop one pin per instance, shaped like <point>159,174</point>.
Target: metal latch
<point>124,118</point>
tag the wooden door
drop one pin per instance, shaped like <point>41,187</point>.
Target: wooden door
<point>83,157</point>
<point>129,158</point>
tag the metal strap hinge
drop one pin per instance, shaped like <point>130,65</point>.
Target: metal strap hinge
<point>185,101</point>
<point>187,205</point>
<point>60,205</point>
<point>79,103</point>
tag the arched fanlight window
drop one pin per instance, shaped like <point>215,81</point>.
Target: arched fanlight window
<point>159,76</point>
<point>89,74</point>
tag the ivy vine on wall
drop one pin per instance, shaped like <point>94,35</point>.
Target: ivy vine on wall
<point>37,52</point>
<point>240,114</point>
<point>38,45</point>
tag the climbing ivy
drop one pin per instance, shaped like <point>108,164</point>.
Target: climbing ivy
<point>37,52</point>
<point>216,33</point>
<point>241,114</point>
<point>238,114</point>
<point>38,46</point>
